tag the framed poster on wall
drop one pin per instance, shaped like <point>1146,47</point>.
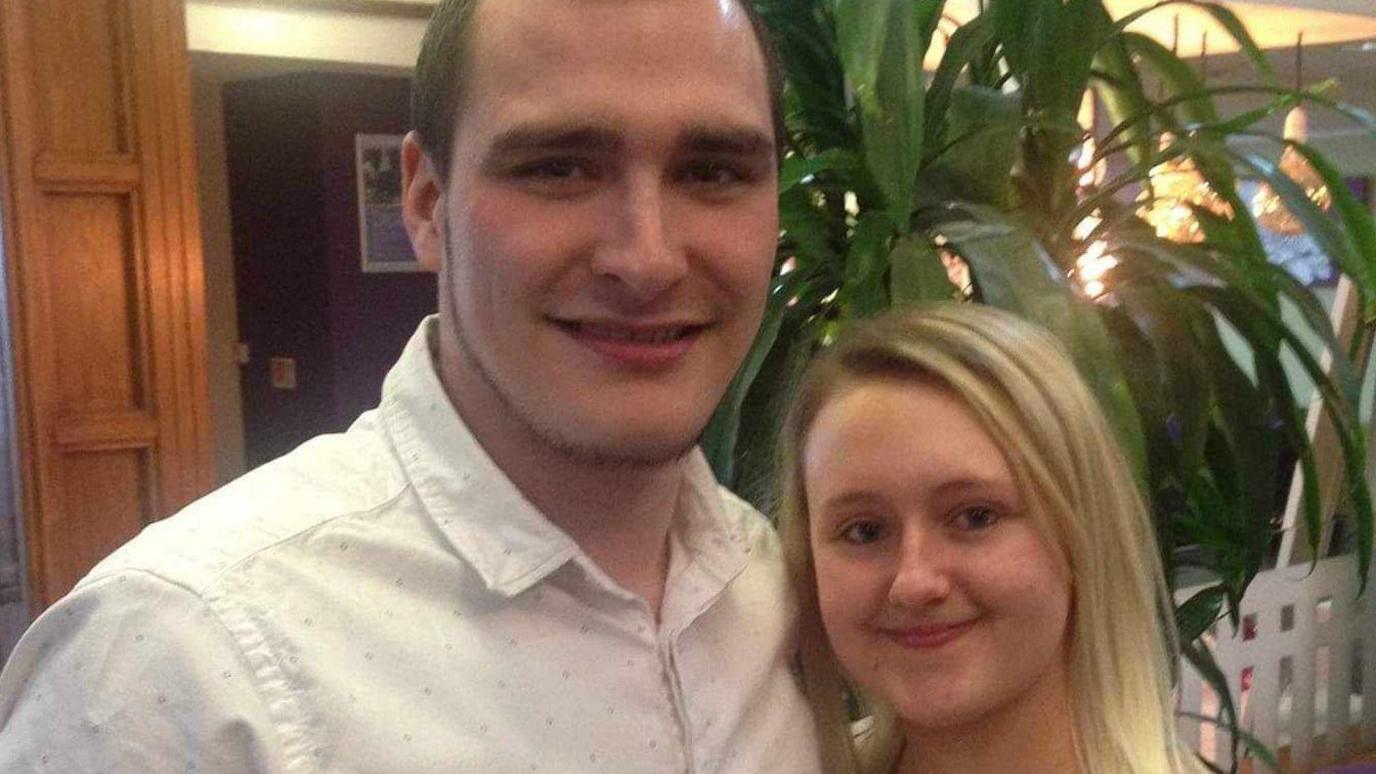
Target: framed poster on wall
<point>383,243</point>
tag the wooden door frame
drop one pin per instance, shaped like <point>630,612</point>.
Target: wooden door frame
<point>156,171</point>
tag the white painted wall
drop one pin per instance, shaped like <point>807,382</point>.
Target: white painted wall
<point>303,32</point>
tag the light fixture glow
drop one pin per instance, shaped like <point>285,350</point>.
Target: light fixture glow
<point>1174,191</point>
<point>1267,205</point>
<point>1092,172</point>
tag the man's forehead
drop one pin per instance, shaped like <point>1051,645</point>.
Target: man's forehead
<point>556,33</point>
<point>677,64</point>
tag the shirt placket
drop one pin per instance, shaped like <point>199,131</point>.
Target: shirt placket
<point>673,686</point>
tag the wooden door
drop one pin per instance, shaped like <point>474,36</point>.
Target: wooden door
<point>104,273</point>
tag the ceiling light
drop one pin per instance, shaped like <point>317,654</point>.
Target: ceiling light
<point>1267,205</point>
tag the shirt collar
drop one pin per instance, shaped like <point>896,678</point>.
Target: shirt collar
<point>510,544</point>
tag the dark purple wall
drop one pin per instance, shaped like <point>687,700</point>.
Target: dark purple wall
<point>372,315</point>
<point>301,290</point>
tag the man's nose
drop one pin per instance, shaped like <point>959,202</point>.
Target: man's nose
<point>923,575</point>
<point>638,250</point>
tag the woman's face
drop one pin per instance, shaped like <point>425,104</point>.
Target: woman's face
<point>937,590</point>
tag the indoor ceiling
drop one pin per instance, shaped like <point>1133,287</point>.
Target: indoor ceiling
<point>1340,36</point>
<point>1272,22</point>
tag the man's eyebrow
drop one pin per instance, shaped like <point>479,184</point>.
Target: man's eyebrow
<point>561,136</point>
<point>742,140</point>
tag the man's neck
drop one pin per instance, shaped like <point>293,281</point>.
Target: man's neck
<point>618,514</point>
<point>1033,735</point>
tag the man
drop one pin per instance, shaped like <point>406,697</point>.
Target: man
<point>517,562</point>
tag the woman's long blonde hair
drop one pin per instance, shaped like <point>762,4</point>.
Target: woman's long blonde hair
<point>1025,391</point>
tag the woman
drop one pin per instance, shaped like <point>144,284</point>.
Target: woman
<point>973,557</point>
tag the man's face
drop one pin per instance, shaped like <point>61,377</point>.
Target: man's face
<point>610,219</point>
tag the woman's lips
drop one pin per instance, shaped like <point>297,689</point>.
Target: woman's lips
<point>929,636</point>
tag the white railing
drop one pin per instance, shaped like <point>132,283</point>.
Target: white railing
<point>1301,668</point>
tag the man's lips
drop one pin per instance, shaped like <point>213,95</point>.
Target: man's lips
<point>928,636</point>
<point>636,345</point>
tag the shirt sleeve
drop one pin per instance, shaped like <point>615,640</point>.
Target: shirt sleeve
<point>132,673</point>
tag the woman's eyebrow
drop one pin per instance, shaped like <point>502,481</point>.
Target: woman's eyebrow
<point>849,498</point>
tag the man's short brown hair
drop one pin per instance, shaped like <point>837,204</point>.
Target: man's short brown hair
<point>441,72</point>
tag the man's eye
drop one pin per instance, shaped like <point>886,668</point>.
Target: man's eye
<point>552,169</point>
<point>863,532</point>
<point>976,518</point>
<point>717,173</point>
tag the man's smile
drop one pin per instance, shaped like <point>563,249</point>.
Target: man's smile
<point>637,345</point>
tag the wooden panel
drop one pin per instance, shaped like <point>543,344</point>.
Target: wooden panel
<point>55,171</point>
<point>176,301</point>
<point>99,432</point>
<point>79,49</point>
<point>90,247</point>
<point>98,181</point>
<point>97,516</point>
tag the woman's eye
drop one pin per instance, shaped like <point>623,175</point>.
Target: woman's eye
<point>862,532</point>
<point>975,518</point>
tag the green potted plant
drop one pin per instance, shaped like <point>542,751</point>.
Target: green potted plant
<point>892,173</point>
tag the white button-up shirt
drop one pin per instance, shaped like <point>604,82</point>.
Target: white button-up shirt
<point>385,600</point>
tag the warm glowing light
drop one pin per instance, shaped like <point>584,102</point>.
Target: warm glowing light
<point>1269,208</point>
<point>957,270</point>
<point>1175,189</point>
<point>1092,172</point>
<point>262,26</point>
<point>1092,267</point>
<point>852,204</point>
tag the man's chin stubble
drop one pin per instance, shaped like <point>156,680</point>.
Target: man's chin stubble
<point>625,455</point>
<point>583,453</point>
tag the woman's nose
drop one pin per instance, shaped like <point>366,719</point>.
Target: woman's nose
<point>922,576</point>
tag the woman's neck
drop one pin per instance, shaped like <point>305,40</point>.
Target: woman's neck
<point>1034,734</point>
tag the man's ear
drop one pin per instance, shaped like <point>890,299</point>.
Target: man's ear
<point>422,206</point>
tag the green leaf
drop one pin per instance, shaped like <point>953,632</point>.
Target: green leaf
<point>864,293</point>
<point>765,406</point>
<point>983,129</point>
<point>1203,661</point>
<point>1172,375</point>
<point>1255,747</point>
<point>1182,79</point>
<point>962,49</point>
<point>1225,18</point>
<point>1355,217</point>
<point>1199,612</point>
<point>1324,231</point>
<point>801,33</point>
<point>916,273</point>
<point>807,231</point>
<point>882,45</point>
<point>1012,271</point>
<point>1340,410</point>
<point>1050,45</point>
<point>1242,457</point>
<point>796,169</point>
<point>719,439</point>
<point>1120,88</point>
